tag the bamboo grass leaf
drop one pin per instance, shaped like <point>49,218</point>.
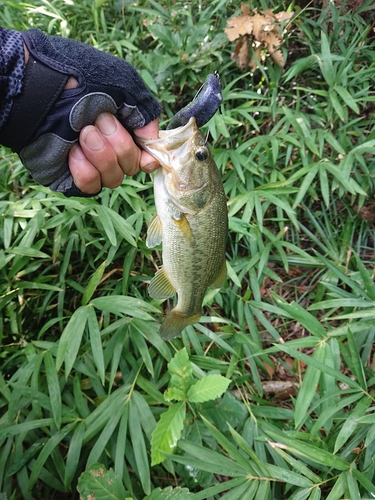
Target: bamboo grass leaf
<point>308,388</point>
<point>139,448</point>
<point>351,422</point>
<point>70,339</point>
<point>96,343</point>
<point>53,388</point>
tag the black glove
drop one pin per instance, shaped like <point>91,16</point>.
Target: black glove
<point>45,119</point>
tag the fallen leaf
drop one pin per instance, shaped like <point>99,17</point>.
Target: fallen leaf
<point>240,25</point>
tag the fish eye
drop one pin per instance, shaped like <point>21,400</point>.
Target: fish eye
<point>201,154</point>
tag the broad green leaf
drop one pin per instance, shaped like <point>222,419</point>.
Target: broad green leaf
<point>53,388</point>
<point>308,387</point>
<point>167,432</point>
<point>70,339</point>
<point>207,388</point>
<point>181,371</point>
<point>93,283</point>
<point>98,483</point>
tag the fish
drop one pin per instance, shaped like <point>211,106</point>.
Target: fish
<point>191,222</point>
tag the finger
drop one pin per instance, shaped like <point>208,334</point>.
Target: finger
<point>100,153</point>
<point>127,152</point>
<point>86,176</point>
<point>151,131</point>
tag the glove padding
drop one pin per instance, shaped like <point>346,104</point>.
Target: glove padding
<point>45,120</point>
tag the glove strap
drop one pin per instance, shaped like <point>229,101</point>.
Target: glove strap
<point>41,87</point>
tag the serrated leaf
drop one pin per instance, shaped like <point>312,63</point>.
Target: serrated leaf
<point>167,432</point>
<point>100,484</point>
<point>181,371</point>
<point>208,388</point>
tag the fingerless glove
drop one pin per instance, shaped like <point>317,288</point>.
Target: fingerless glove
<point>45,120</point>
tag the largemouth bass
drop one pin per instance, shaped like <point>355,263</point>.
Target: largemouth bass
<point>191,221</point>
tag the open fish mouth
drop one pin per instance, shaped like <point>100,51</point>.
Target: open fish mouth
<point>172,144</point>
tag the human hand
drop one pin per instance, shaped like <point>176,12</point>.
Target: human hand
<point>106,151</point>
<point>50,115</point>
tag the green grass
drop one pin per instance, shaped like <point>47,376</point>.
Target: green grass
<point>85,377</point>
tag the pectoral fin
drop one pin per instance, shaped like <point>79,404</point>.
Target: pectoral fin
<point>160,287</point>
<point>154,234</point>
<point>220,278</point>
<point>183,224</point>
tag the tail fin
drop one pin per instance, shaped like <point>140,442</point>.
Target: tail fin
<point>175,322</point>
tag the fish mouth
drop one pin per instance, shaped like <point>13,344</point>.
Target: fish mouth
<point>171,145</point>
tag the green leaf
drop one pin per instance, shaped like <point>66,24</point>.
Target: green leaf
<point>180,369</point>
<point>357,365</point>
<point>308,451</point>
<point>351,422</point>
<point>207,388</point>
<point>347,98</point>
<point>93,283</point>
<point>48,448</point>
<point>99,484</point>
<point>70,339</point>
<point>96,343</point>
<point>167,432</point>
<point>53,388</point>
<point>139,447</point>
<point>308,388</point>
<point>170,493</point>
<point>74,453</point>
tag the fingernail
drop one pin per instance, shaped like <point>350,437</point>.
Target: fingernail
<point>150,167</point>
<point>106,123</point>
<point>77,152</point>
<point>93,139</point>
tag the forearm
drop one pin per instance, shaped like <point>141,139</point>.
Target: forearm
<point>12,63</point>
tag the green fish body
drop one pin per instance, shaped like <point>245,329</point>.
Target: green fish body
<point>191,221</point>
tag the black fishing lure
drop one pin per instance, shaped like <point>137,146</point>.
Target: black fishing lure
<point>203,106</point>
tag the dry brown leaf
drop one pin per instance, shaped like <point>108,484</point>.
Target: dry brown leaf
<point>283,16</point>
<point>261,31</point>
<point>240,25</point>
<point>245,9</point>
<point>241,52</point>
